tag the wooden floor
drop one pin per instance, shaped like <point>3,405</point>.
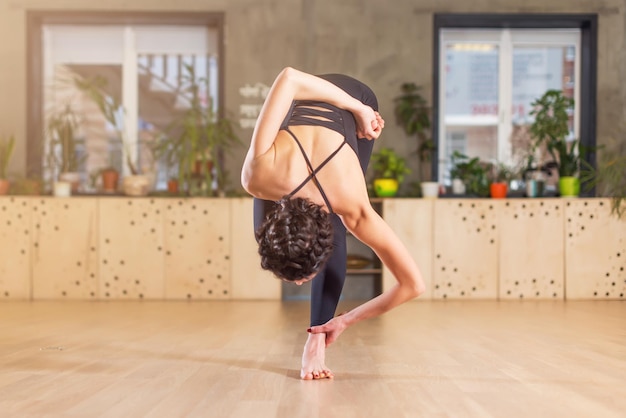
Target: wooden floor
<point>241,359</point>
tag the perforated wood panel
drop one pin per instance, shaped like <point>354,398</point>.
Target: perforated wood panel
<point>595,251</point>
<point>466,249</point>
<point>15,236</point>
<point>197,249</point>
<point>531,249</point>
<point>64,253</point>
<point>412,221</point>
<point>248,279</point>
<point>131,248</point>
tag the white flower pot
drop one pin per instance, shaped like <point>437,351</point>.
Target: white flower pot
<point>430,189</point>
<point>62,189</point>
<point>137,185</point>
<point>71,177</point>
<point>458,187</point>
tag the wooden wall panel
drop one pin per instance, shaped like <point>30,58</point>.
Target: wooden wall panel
<point>595,251</point>
<point>131,248</point>
<point>249,280</point>
<point>64,248</point>
<point>15,248</point>
<point>531,249</point>
<point>197,248</point>
<point>121,248</point>
<point>465,260</point>
<point>412,221</point>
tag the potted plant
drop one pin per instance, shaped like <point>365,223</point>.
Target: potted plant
<point>6,151</point>
<point>63,155</point>
<point>195,143</point>
<point>551,128</point>
<point>136,183</point>
<point>500,176</point>
<point>389,171</point>
<point>413,114</point>
<point>27,186</point>
<point>172,186</point>
<point>110,178</point>
<point>609,180</point>
<point>472,173</point>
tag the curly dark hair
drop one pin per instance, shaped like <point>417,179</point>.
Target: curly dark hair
<point>296,239</point>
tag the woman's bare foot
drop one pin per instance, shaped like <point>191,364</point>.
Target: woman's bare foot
<point>313,366</point>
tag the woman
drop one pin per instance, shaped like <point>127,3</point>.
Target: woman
<point>306,168</point>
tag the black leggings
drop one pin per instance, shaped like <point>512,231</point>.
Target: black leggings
<point>328,283</point>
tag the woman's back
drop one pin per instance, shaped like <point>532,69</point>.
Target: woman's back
<point>282,170</point>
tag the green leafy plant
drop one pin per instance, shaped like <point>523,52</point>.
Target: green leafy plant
<point>62,132</point>
<point>388,164</point>
<point>27,186</point>
<point>6,151</point>
<point>195,142</point>
<point>413,114</point>
<point>111,110</point>
<point>551,127</point>
<point>609,180</point>
<point>473,173</point>
<point>500,173</point>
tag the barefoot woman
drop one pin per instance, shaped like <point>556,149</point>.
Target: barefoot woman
<point>305,167</point>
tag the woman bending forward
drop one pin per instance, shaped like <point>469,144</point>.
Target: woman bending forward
<point>306,169</point>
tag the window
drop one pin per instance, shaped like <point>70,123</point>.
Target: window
<point>489,69</point>
<point>142,66</point>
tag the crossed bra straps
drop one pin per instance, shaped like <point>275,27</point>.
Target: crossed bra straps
<point>308,113</point>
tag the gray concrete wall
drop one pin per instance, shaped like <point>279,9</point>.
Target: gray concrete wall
<point>381,42</point>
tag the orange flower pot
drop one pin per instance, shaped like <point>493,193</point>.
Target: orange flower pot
<point>498,190</point>
<point>172,186</point>
<point>4,186</point>
<point>110,179</point>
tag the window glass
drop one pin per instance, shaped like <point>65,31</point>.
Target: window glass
<point>489,78</point>
<point>139,75</point>
<point>471,104</point>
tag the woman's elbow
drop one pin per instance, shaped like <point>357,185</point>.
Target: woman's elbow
<point>287,74</point>
<point>417,288</point>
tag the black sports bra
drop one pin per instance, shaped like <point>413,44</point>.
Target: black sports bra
<point>311,113</point>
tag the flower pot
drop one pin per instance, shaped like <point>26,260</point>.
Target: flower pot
<point>71,177</point>
<point>136,185</point>
<point>4,187</point>
<point>458,187</point>
<point>385,187</point>
<point>498,190</point>
<point>197,167</point>
<point>569,186</point>
<point>430,189</point>
<point>172,186</point>
<point>110,178</point>
<point>534,188</point>
<point>62,189</point>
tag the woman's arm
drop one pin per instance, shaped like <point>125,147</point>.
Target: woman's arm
<point>371,229</point>
<point>291,85</point>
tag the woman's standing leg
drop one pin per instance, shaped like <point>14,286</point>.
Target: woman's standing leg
<point>327,285</point>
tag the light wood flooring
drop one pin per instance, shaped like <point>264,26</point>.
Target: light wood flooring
<point>241,359</point>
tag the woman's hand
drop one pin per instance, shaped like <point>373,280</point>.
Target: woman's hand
<point>332,328</point>
<point>369,123</point>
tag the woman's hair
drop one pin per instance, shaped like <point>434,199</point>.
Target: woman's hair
<point>296,239</point>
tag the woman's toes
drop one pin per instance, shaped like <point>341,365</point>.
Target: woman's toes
<point>306,376</point>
